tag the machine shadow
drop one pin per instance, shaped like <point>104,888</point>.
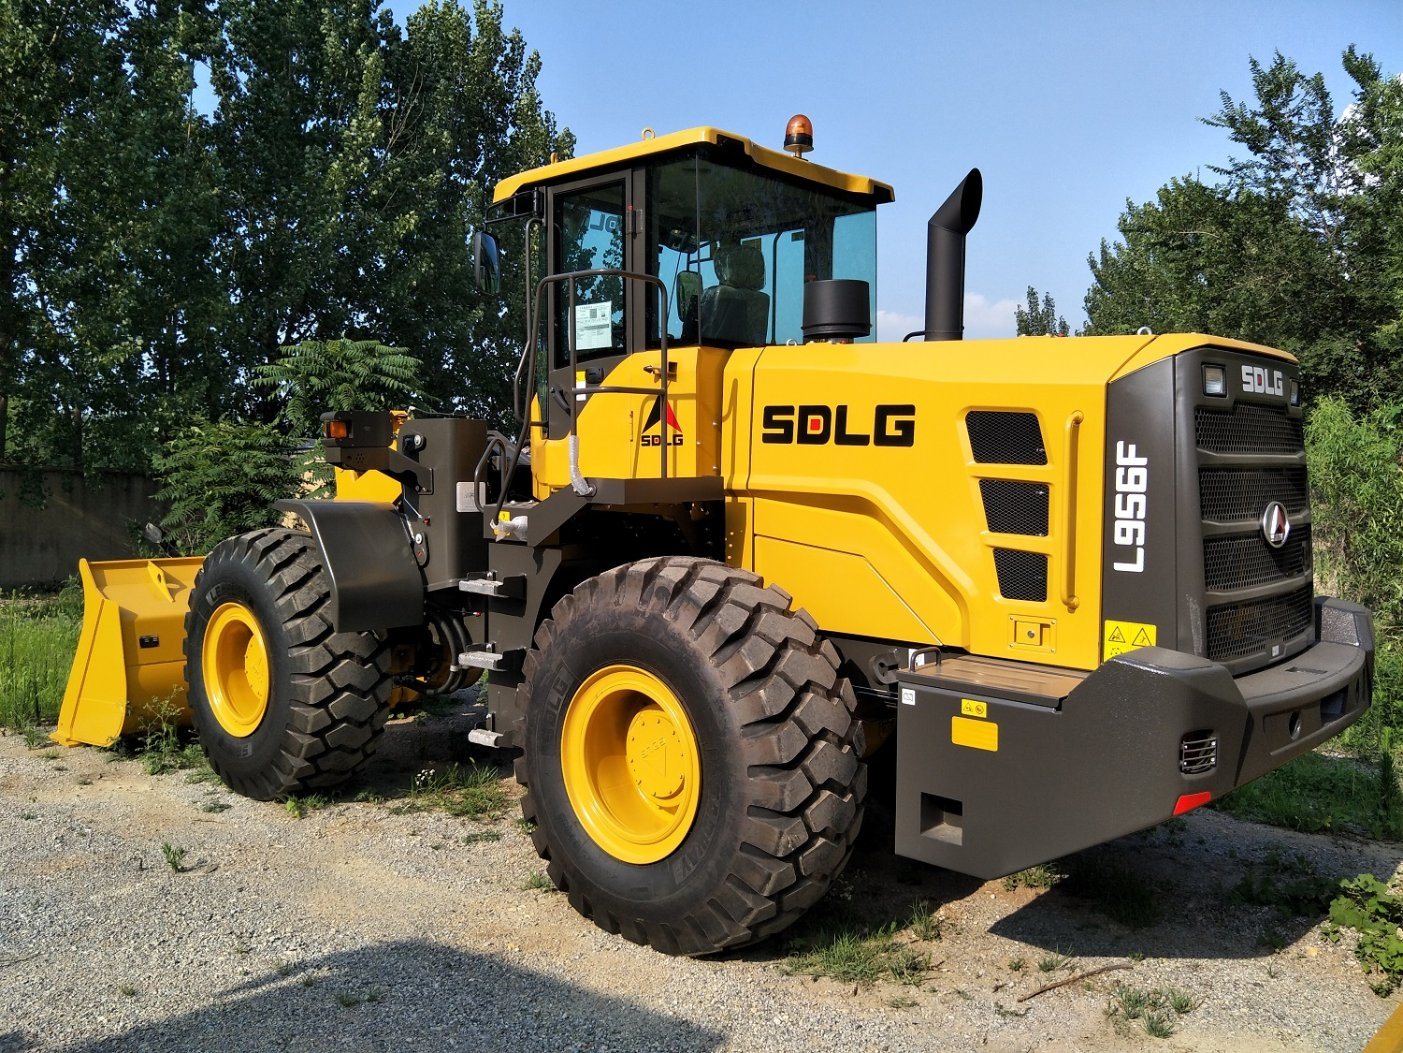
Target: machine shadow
<point>409,995</point>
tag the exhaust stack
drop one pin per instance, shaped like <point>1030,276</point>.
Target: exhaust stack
<point>945,258</point>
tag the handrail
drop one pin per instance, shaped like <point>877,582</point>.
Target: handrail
<point>1072,432</point>
<point>521,393</point>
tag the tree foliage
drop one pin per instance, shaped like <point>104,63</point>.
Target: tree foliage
<point>1299,245</point>
<point>318,376</point>
<point>221,479</point>
<point>185,189</point>
<point>1040,318</point>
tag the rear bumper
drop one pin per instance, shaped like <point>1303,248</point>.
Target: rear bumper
<point>1138,736</point>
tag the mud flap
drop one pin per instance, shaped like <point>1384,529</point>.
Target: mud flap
<point>129,670</point>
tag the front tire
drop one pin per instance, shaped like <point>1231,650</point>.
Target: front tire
<point>689,755</point>
<point>283,704</point>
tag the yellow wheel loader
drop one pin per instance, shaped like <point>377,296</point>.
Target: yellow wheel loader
<point>737,544</point>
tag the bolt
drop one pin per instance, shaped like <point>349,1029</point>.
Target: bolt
<point>418,539</point>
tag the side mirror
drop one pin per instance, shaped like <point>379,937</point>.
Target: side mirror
<point>487,263</point>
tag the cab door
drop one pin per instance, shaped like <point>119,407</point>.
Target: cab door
<point>593,226</point>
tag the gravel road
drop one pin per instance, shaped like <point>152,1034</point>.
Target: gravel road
<point>359,927</point>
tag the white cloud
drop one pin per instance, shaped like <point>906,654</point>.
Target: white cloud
<point>984,319</point>
<point>891,326</point>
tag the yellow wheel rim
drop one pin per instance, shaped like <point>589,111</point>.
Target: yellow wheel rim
<point>631,765</point>
<point>236,669</point>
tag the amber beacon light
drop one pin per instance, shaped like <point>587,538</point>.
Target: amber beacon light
<point>799,135</point>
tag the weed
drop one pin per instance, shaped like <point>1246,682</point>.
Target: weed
<point>1155,1008</point>
<point>1158,1025</point>
<point>127,991</point>
<point>1016,965</point>
<point>49,754</point>
<point>1010,1014</point>
<point>528,827</point>
<point>175,857</point>
<point>1121,893</point>
<point>481,837</point>
<point>28,815</point>
<point>1293,895</point>
<point>1366,905</point>
<point>347,1001</point>
<point>83,780</point>
<point>242,947</point>
<point>308,981</point>
<point>215,806</point>
<point>299,807</point>
<point>35,738</point>
<point>901,1002</point>
<point>467,791</point>
<point>1181,1001</point>
<point>539,881</point>
<point>923,922</point>
<point>1053,961</point>
<point>1272,940</point>
<point>1044,875</point>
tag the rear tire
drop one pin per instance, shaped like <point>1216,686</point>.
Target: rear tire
<point>283,704</point>
<point>724,707</point>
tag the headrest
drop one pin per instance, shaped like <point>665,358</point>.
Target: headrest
<point>740,266</point>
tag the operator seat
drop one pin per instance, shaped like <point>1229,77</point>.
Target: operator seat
<point>736,311</point>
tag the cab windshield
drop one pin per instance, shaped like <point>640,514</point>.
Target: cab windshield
<point>735,248</point>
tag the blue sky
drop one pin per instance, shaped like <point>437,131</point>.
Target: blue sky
<point>1068,109</point>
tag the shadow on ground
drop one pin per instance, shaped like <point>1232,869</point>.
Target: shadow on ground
<point>406,995</point>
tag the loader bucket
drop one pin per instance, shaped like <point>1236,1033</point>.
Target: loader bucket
<point>130,668</point>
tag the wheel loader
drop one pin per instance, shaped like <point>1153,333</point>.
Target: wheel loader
<point>737,547</point>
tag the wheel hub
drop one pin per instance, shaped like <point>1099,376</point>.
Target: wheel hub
<point>631,765</point>
<point>237,676</point>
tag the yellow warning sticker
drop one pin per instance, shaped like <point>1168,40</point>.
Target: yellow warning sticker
<point>970,708</point>
<point>976,734</point>
<point>1121,637</point>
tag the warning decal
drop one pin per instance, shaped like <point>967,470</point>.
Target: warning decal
<point>1121,637</point>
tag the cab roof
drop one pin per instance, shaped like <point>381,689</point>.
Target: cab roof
<point>879,192</point>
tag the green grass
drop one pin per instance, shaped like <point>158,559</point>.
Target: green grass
<point>468,791</point>
<point>38,635</point>
<point>1118,891</point>
<point>1044,875</point>
<point>855,954</point>
<point>539,881</point>
<point>1317,794</point>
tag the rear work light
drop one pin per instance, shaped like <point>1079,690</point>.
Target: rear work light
<point>338,429</point>
<point>1215,381</point>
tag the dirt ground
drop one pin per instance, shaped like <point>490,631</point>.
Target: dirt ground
<point>364,927</point>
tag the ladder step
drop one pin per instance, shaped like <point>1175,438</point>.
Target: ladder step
<point>512,586</point>
<point>483,737</point>
<point>489,660</point>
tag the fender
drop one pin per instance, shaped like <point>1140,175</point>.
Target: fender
<point>375,581</point>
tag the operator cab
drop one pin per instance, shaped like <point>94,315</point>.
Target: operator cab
<point>701,235</point>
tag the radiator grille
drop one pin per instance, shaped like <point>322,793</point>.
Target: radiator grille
<point>1014,507</point>
<point>1239,629</point>
<point>1005,437</point>
<point>1022,575</point>
<point>1245,561</point>
<point>1247,429</point>
<point>1230,495</point>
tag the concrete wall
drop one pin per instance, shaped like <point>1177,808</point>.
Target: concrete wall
<point>90,519</point>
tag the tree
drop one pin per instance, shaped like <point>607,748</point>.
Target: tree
<point>1040,319</point>
<point>1293,248</point>
<point>221,479</point>
<point>318,376</point>
<point>154,254</point>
